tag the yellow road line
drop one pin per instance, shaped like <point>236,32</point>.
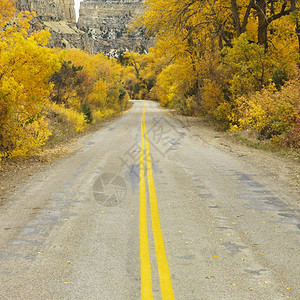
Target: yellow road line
<point>163,268</point>
<point>146,283</point>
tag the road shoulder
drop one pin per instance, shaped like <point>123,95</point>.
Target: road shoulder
<point>281,167</point>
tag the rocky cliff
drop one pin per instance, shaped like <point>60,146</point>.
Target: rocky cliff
<point>51,10</point>
<point>59,17</point>
<point>102,26</point>
<point>107,23</point>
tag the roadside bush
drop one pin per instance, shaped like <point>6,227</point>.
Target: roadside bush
<point>246,66</point>
<point>291,138</point>
<point>71,85</point>
<point>279,77</point>
<point>224,116</point>
<point>269,112</point>
<point>98,115</point>
<point>212,96</point>
<point>21,138</point>
<point>75,119</point>
<point>87,111</point>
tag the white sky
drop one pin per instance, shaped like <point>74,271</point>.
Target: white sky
<point>77,5</point>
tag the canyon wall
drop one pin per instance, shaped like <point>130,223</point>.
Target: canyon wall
<point>107,23</point>
<point>51,10</point>
<point>59,17</point>
<point>102,26</point>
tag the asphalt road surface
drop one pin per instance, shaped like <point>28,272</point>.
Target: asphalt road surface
<point>147,210</point>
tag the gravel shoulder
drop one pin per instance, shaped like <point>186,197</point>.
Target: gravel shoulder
<point>284,168</point>
<point>14,172</point>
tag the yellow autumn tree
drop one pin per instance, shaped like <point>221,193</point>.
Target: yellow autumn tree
<point>25,67</point>
<point>134,64</point>
<point>219,52</point>
<point>89,86</point>
<point>105,74</point>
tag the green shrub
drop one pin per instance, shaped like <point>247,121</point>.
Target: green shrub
<point>87,111</point>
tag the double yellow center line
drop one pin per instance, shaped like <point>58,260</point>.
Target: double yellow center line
<point>162,263</point>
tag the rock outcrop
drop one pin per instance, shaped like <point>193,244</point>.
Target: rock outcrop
<point>51,10</point>
<point>102,26</point>
<point>107,23</point>
<point>59,17</point>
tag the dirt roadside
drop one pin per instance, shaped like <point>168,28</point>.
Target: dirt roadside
<point>280,166</point>
<point>17,171</point>
<point>14,172</point>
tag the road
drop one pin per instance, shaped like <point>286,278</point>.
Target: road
<point>146,209</point>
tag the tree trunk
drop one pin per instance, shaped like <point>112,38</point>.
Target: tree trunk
<point>236,17</point>
<point>298,34</point>
<point>246,16</point>
<point>293,8</point>
<point>262,23</point>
